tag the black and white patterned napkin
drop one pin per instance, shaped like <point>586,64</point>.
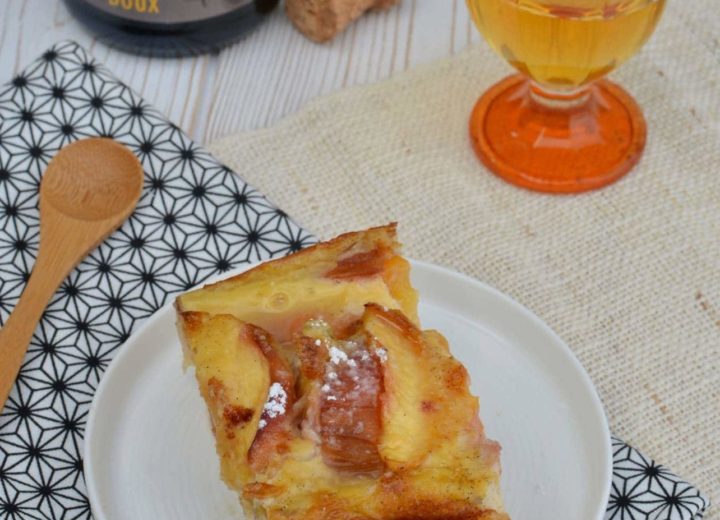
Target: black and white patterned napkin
<point>195,219</point>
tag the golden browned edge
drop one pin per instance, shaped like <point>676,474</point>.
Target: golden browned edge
<point>421,510</point>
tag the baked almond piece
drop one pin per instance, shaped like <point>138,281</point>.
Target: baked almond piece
<point>327,400</point>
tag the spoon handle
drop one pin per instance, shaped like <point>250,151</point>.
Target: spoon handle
<point>16,333</point>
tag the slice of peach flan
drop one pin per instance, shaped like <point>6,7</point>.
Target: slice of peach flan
<point>327,400</point>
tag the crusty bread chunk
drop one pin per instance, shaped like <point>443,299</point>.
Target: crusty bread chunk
<point>321,20</point>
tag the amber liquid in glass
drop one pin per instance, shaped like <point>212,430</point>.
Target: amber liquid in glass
<point>564,44</point>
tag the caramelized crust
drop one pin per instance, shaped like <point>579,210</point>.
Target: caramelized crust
<point>360,265</point>
<point>328,401</point>
<point>273,435</point>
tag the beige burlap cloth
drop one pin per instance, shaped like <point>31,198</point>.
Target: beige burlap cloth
<point>629,276</point>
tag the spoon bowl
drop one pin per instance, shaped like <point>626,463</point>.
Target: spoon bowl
<point>93,179</point>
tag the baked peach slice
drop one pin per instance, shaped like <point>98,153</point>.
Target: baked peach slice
<point>234,379</point>
<point>405,377</point>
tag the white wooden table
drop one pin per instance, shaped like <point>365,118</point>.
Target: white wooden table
<point>252,84</point>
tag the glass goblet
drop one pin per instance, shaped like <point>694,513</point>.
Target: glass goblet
<point>558,126</point>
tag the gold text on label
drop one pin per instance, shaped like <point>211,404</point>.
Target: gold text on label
<point>139,6</point>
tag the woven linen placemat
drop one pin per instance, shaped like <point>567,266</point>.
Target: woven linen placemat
<point>629,276</point>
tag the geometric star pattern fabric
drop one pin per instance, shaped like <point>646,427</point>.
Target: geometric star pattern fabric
<point>195,219</point>
<point>644,490</point>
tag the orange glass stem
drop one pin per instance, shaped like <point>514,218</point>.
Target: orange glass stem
<point>557,142</point>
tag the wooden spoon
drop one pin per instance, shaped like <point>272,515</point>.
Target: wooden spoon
<point>89,188</point>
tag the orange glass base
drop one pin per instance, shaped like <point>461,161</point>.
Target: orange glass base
<point>557,143</point>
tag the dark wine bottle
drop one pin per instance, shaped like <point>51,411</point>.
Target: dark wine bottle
<point>170,27</point>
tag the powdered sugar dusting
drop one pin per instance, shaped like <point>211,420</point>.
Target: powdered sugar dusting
<point>381,354</point>
<point>337,356</point>
<point>275,405</point>
<point>349,372</point>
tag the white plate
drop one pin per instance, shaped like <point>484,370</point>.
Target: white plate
<point>149,452</point>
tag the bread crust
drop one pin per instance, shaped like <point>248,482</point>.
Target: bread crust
<point>321,20</point>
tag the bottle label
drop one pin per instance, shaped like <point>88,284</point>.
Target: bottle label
<point>167,11</point>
